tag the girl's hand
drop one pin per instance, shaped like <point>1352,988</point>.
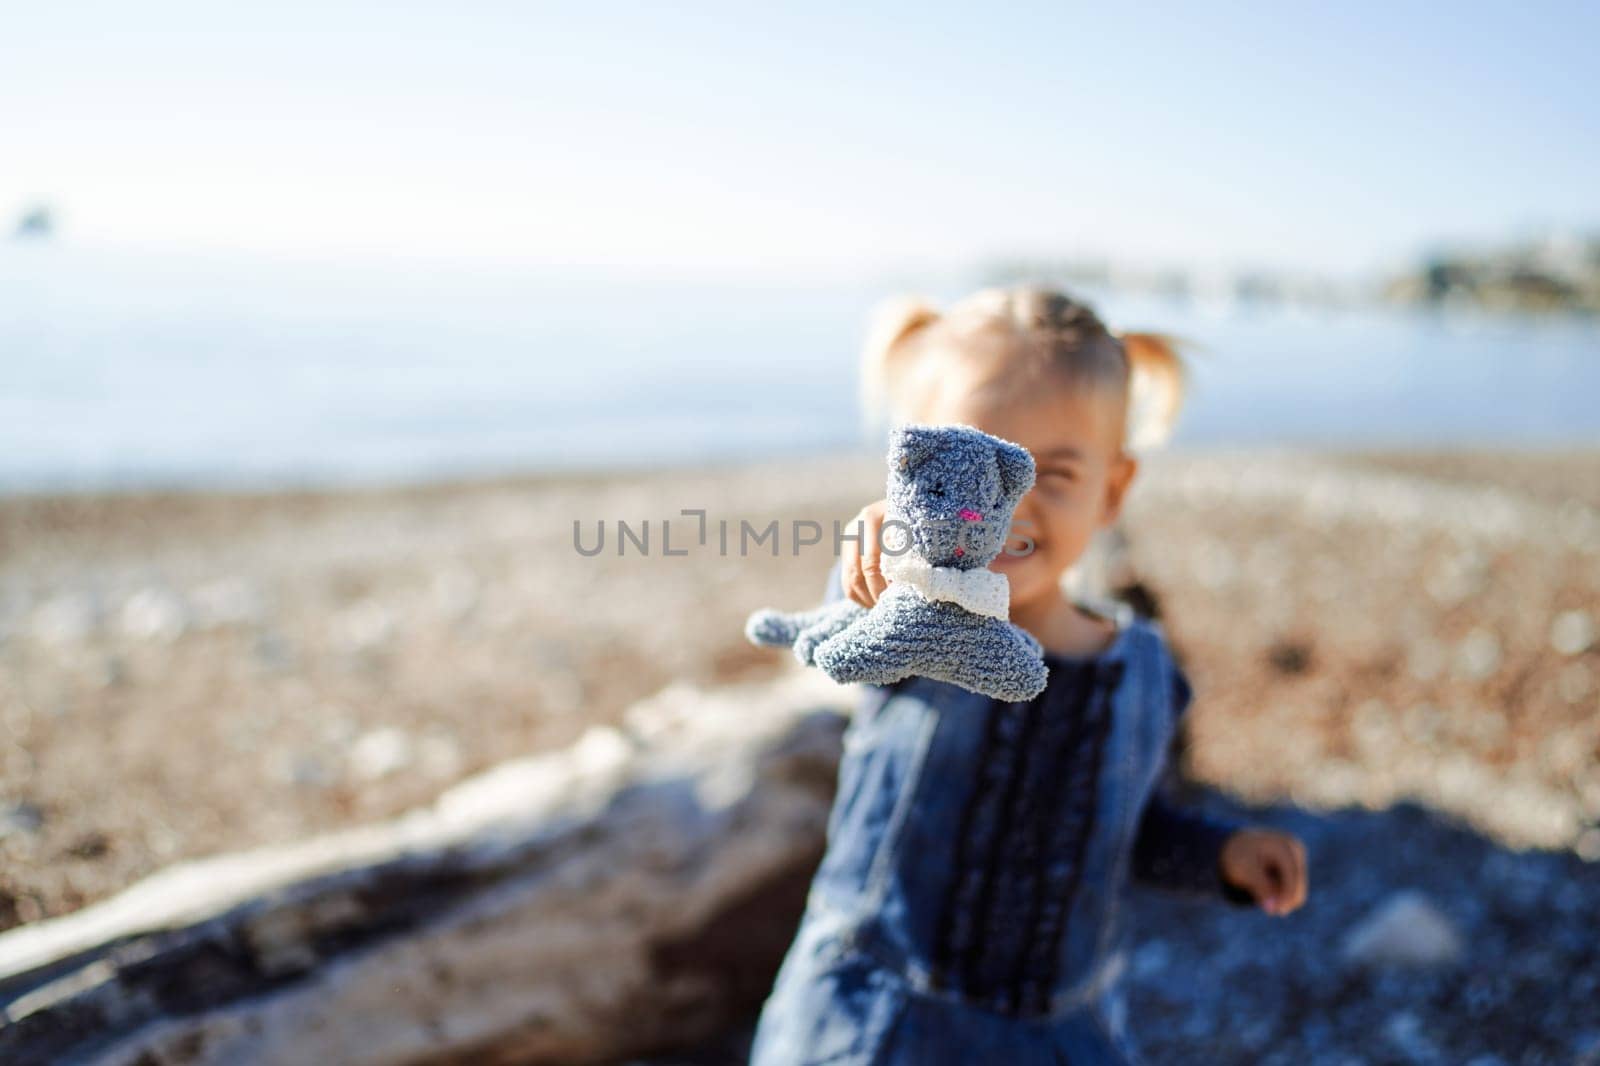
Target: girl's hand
<point>1269,865</point>
<point>858,571</point>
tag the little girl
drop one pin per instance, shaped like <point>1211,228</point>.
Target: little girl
<point>964,911</point>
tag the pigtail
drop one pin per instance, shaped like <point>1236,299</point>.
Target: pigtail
<point>886,353</point>
<point>1157,382</point>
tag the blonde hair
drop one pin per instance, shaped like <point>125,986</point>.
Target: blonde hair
<point>1020,335</point>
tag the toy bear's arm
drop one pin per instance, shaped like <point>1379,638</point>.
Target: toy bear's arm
<point>834,593</point>
<point>1178,847</point>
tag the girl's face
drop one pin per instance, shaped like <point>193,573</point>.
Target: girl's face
<point>1082,473</point>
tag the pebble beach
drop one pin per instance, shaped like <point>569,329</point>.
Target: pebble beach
<point>183,674</point>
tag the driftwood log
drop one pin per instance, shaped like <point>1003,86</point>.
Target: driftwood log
<point>625,896</point>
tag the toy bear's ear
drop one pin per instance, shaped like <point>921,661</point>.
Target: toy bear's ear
<point>1016,469</point>
<point>910,446</point>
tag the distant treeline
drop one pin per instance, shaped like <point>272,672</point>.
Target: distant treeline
<point>1554,274</point>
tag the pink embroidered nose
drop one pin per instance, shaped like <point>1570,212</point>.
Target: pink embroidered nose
<point>960,552</point>
<point>970,515</point>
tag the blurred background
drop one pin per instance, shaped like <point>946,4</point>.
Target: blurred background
<point>321,324</point>
<point>504,240</point>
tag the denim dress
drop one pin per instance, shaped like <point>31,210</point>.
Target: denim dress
<point>965,908</point>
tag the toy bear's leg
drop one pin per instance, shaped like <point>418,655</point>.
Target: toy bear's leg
<point>772,628</point>
<point>824,623</point>
<point>994,658</point>
<point>1026,672</point>
<point>862,651</point>
<point>780,628</point>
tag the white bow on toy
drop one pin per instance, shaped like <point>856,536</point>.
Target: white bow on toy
<point>980,591</point>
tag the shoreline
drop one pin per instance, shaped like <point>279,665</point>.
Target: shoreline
<point>290,486</point>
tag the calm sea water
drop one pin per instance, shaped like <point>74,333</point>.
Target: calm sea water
<point>127,371</point>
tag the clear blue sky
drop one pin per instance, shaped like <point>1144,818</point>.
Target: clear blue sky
<point>743,137</point>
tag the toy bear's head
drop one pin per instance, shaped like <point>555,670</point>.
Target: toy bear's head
<point>956,488</point>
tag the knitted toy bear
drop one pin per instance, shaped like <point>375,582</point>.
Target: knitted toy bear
<point>945,615</point>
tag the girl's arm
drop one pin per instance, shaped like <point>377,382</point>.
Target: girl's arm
<point>1181,849</point>
<point>1178,848</point>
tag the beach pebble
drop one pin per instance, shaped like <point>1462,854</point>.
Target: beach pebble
<point>273,653</point>
<point>1589,796</point>
<point>1373,726</point>
<point>338,724</point>
<point>366,626</point>
<point>65,619</point>
<point>1478,656</point>
<point>1422,722</point>
<point>455,592</point>
<point>1405,1032</point>
<point>111,672</point>
<point>226,602</point>
<point>154,614</point>
<point>303,768</point>
<point>1457,578</point>
<point>560,692</point>
<point>1406,930</point>
<point>20,819</point>
<point>1572,633</point>
<point>1575,682</point>
<point>1214,565</point>
<point>1425,659</point>
<point>439,755</point>
<point>380,753</point>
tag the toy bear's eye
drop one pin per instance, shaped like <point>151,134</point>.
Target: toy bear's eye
<point>936,489</point>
